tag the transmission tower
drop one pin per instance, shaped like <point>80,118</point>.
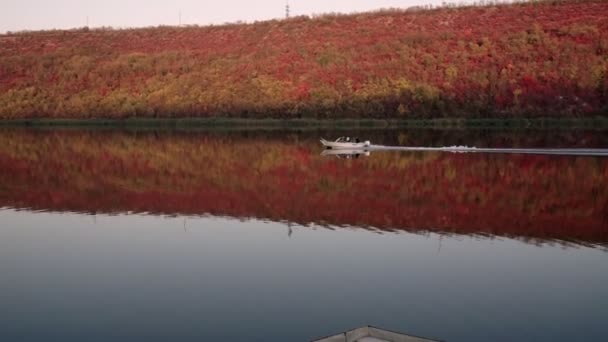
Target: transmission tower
<point>287,10</point>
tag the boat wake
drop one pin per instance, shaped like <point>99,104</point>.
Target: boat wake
<point>599,152</point>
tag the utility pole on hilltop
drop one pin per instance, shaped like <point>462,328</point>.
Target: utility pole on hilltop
<point>287,10</point>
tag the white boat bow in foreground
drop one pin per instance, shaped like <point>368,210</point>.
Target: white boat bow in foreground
<point>373,334</point>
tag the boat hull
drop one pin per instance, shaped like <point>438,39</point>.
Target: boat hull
<point>345,145</point>
<point>370,333</point>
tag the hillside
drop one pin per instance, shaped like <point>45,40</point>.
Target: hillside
<point>523,60</point>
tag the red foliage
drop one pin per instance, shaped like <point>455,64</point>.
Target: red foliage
<point>521,59</point>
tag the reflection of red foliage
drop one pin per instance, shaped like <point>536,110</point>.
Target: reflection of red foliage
<point>521,196</point>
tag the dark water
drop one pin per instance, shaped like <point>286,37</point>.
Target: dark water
<point>254,236</point>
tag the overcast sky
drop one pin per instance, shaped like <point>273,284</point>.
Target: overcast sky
<point>47,14</point>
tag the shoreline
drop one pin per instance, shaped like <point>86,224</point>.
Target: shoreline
<point>598,123</point>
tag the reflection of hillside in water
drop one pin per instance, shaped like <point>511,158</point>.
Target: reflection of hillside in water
<point>282,178</point>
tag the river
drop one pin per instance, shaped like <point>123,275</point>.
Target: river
<point>242,235</point>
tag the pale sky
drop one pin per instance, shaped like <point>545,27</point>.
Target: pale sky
<point>16,15</point>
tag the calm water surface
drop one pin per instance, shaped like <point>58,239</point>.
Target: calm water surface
<point>254,236</point>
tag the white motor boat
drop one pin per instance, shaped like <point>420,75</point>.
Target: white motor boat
<point>345,143</point>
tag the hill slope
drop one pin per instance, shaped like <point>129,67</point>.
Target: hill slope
<point>494,61</point>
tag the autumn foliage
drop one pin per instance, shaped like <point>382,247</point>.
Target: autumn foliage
<point>537,198</point>
<point>545,58</point>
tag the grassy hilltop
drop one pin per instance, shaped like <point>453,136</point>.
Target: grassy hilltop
<point>502,61</point>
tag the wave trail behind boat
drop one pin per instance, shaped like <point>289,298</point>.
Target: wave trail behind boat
<point>599,152</point>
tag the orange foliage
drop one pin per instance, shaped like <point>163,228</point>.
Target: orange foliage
<point>510,60</point>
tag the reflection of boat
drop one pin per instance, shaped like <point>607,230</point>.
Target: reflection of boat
<point>345,143</point>
<point>372,334</point>
<point>346,153</point>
